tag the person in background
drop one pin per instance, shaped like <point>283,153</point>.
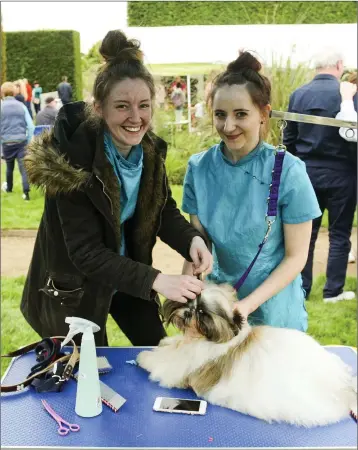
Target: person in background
<point>349,107</point>
<point>199,112</point>
<point>348,111</point>
<point>36,96</point>
<point>209,85</point>
<point>16,132</point>
<point>28,100</point>
<point>160,95</point>
<point>177,80</point>
<point>21,93</point>
<point>107,198</point>
<point>225,192</point>
<point>178,100</point>
<point>331,164</point>
<point>48,115</point>
<point>64,90</point>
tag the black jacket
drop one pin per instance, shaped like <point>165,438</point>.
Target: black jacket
<point>76,267</point>
<point>319,145</point>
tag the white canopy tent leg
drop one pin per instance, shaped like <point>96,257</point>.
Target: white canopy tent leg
<point>189,102</point>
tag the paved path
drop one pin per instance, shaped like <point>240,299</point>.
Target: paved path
<point>17,247</point>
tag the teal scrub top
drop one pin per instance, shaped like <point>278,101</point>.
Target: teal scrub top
<point>230,200</point>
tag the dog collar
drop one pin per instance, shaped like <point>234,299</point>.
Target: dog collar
<point>53,368</point>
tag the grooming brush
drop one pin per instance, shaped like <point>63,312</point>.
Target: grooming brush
<point>108,396</point>
<point>103,365</point>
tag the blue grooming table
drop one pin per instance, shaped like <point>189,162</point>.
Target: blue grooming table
<point>25,423</point>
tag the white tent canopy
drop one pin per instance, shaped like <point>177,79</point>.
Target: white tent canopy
<point>220,43</point>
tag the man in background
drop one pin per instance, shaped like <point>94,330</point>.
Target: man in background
<point>348,111</point>
<point>331,164</point>
<point>48,115</point>
<point>16,132</point>
<point>64,90</point>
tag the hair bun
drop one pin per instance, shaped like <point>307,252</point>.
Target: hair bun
<point>116,48</point>
<point>245,61</point>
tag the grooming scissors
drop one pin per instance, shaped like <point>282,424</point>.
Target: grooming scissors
<point>62,430</point>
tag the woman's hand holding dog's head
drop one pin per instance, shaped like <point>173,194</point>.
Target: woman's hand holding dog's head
<point>202,258</point>
<point>179,288</point>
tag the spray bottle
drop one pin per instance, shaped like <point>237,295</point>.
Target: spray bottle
<point>88,397</point>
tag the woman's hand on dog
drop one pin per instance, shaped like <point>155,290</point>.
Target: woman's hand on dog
<point>202,258</point>
<point>243,308</point>
<point>179,288</point>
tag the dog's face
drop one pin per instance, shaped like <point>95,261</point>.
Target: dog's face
<point>211,315</point>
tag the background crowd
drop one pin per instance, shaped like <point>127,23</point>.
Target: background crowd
<point>25,112</point>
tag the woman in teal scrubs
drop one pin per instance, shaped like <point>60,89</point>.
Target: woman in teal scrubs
<point>226,190</point>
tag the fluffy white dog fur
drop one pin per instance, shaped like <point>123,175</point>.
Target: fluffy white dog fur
<point>274,374</point>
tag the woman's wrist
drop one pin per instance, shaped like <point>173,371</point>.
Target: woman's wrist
<point>157,281</point>
<point>247,304</point>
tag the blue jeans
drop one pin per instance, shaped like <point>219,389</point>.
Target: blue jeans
<point>336,192</point>
<point>12,152</point>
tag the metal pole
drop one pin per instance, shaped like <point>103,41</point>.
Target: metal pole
<point>189,102</point>
<point>316,120</point>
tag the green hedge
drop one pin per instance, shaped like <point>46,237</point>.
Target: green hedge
<point>45,56</point>
<point>159,14</point>
<point>3,53</point>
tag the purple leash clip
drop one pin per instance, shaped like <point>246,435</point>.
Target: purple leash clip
<point>272,200</point>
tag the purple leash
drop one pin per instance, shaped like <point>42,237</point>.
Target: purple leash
<point>271,209</point>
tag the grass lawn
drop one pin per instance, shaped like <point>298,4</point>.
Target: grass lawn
<point>18,214</point>
<point>328,323</point>
<point>15,212</point>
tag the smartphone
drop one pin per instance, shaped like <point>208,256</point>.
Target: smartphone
<point>180,405</point>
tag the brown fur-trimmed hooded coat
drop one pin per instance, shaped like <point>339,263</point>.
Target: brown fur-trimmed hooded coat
<point>76,267</point>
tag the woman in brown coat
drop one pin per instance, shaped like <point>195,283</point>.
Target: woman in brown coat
<point>107,199</point>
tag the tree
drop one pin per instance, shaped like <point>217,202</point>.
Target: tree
<point>3,53</point>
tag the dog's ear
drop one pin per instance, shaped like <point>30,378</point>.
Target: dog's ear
<point>238,319</point>
<point>168,310</point>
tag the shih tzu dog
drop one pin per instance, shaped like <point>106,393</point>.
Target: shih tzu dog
<point>274,374</point>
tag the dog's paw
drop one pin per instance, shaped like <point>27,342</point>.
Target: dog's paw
<point>166,384</point>
<point>162,379</point>
<point>144,360</point>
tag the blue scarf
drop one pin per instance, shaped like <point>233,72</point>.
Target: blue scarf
<point>128,172</point>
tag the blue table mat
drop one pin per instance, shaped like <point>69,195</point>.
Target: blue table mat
<point>24,422</point>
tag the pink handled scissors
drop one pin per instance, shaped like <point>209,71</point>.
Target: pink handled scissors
<point>62,430</point>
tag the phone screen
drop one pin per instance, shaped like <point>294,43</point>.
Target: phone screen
<point>176,404</point>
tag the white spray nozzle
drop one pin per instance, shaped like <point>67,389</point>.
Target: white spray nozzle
<point>78,325</point>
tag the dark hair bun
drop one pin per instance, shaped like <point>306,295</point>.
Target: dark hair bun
<point>116,48</point>
<point>245,61</point>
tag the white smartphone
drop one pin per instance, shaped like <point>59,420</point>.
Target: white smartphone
<point>180,405</point>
